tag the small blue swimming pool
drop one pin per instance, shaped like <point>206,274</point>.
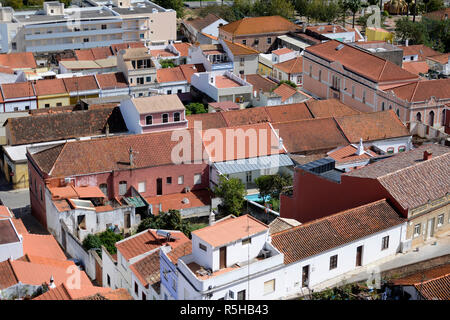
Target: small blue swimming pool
<point>256,197</point>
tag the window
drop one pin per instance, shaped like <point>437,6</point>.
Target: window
<point>169,180</point>
<point>398,112</point>
<point>108,280</point>
<point>256,41</point>
<point>180,179</point>
<point>401,149</point>
<point>202,246</point>
<point>320,75</point>
<point>248,176</point>
<point>333,262</point>
<point>59,104</point>
<point>390,150</point>
<point>418,117</point>
<point>47,105</point>
<point>169,91</point>
<point>180,91</point>
<point>416,230</point>
<point>364,96</point>
<point>197,178</point>
<point>390,107</point>
<point>40,191</point>
<point>27,107</point>
<point>148,79</point>
<point>140,80</point>
<point>385,243</point>
<point>144,296</point>
<point>122,188</point>
<point>176,116</point>
<point>165,117</point>
<point>85,39</point>
<point>241,295</point>
<point>148,120</point>
<point>141,186</point>
<point>440,220</point>
<point>103,26</point>
<point>382,106</point>
<point>136,288</point>
<point>244,42</point>
<point>246,241</point>
<point>353,92</point>
<point>310,69</point>
<point>104,188</point>
<point>269,286</point>
<point>141,35</point>
<point>269,40</point>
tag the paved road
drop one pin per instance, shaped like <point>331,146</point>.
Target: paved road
<point>196,4</point>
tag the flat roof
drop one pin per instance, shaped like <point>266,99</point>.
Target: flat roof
<point>40,16</point>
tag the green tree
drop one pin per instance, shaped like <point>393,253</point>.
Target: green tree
<point>301,6</point>
<point>354,6</point>
<point>195,108</point>
<point>272,185</point>
<point>264,184</point>
<point>288,82</point>
<point>343,8</point>
<point>170,220</point>
<point>176,5</point>
<point>232,191</point>
<point>167,63</point>
<point>107,238</point>
<point>282,8</point>
<point>433,5</point>
<point>416,33</point>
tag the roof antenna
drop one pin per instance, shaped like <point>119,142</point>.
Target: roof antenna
<point>52,283</point>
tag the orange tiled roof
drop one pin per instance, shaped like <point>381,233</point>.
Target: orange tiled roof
<point>246,116</point>
<point>162,53</point>
<point>372,126</point>
<point>224,105</point>
<point>258,25</point>
<point>50,87</point>
<point>416,67</point>
<point>329,108</point>
<point>80,83</point>
<point>94,53</point>
<point>423,276</point>
<point>182,48</point>
<point>418,49</point>
<point>230,230</point>
<point>225,82</point>
<point>146,241</point>
<point>202,22</point>
<point>111,80</point>
<point>62,292</point>
<point>44,246</point>
<point>4,212</point>
<point>348,154</point>
<point>147,270</point>
<point>292,66</point>
<point>361,62</point>
<point>442,58</point>
<point>323,234</point>
<point>18,60</point>
<point>238,49</point>
<point>285,91</point>
<point>126,45</point>
<point>436,289</point>
<point>260,83</point>
<point>424,90</point>
<point>266,143</point>
<point>282,51</point>
<point>207,120</point>
<point>197,198</point>
<point>288,112</point>
<point>17,90</point>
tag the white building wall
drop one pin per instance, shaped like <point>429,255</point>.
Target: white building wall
<point>392,143</point>
<point>130,116</point>
<point>213,28</point>
<point>11,250</point>
<point>11,105</point>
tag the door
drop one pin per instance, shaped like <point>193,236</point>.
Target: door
<point>430,228</point>
<point>223,258</point>
<point>359,256</point>
<point>305,276</point>
<point>159,186</point>
<point>127,220</point>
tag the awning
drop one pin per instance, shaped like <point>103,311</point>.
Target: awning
<point>134,201</point>
<point>251,164</point>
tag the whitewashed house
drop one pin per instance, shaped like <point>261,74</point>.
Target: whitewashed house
<point>232,259</point>
<point>11,242</point>
<point>328,248</point>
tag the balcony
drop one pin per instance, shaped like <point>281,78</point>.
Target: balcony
<point>71,34</point>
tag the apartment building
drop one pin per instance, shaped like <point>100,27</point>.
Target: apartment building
<point>55,28</point>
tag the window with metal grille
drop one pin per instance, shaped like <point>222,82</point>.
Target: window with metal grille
<point>333,262</point>
<point>385,243</point>
<point>122,188</point>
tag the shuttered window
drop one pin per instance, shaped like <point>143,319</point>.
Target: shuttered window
<point>269,286</point>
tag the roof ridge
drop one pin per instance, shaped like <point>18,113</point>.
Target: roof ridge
<point>59,154</point>
<point>414,165</point>
<point>13,271</point>
<point>333,215</point>
<point>415,90</point>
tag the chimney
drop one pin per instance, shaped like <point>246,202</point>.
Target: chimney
<point>304,27</point>
<point>51,285</point>
<point>427,155</point>
<point>360,149</point>
<point>212,218</point>
<point>131,156</point>
<point>107,130</point>
<point>334,29</point>
<point>406,42</point>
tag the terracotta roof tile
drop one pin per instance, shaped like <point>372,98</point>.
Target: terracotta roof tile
<point>111,80</point>
<point>281,224</point>
<point>118,294</point>
<point>285,91</point>
<point>119,46</point>
<point>147,270</point>
<point>293,66</point>
<point>329,108</point>
<point>146,241</point>
<point>94,53</point>
<point>421,50</point>
<point>207,120</point>
<point>18,60</point>
<point>170,75</point>
<point>320,235</point>
<point>282,51</point>
<point>348,154</point>
<point>361,62</point>
<point>416,67</point>
<point>7,232</point>
<point>105,154</point>
<point>310,135</point>
<point>409,179</point>
<point>83,83</point>
<point>238,49</point>
<point>260,83</point>
<point>202,22</point>
<point>436,289</point>
<point>197,198</point>
<point>424,90</point>
<point>230,230</point>
<point>50,87</point>
<point>64,125</point>
<point>225,82</point>
<point>17,90</point>
<point>258,25</point>
<point>44,246</point>
<point>423,276</point>
<point>372,126</point>
<point>7,276</point>
<point>288,112</point>
<point>182,48</point>
<point>180,251</point>
<point>246,116</point>
<point>225,106</point>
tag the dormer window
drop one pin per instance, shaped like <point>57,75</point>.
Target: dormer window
<point>148,120</point>
<point>176,116</point>
<point>165,117</point>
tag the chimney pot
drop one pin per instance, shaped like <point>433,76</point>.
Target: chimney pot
<point>427,155</point>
